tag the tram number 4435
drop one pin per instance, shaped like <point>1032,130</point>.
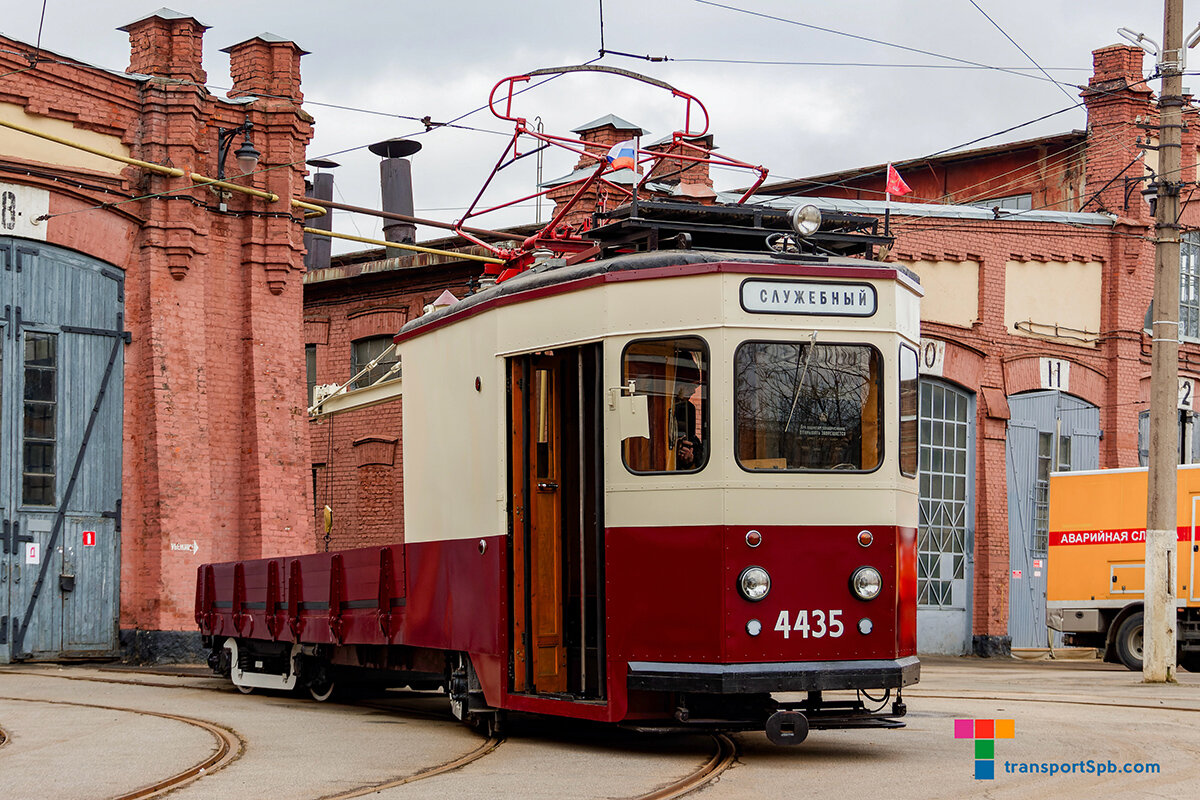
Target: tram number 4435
<point>811,624</point>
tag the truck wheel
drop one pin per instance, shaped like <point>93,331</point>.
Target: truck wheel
<point>1190,661</point>
<point>1129,642</point>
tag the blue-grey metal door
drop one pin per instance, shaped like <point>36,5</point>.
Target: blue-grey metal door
<point>1047,432</point>
<point>944,539</point>
<point>60,426</point>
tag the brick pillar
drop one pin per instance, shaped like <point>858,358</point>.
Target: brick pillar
<point>1116,97</point>
<point>990,609</point>
<point>266,65</point>
<point>216,431</point>
<point>275,457</point>
<point>167,44</point>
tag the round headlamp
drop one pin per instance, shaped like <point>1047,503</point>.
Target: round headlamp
<point>805,220</point>
<point>754,583</point>
<point>866,583</point>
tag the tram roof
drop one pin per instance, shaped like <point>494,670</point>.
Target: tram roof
<point>555,272</point>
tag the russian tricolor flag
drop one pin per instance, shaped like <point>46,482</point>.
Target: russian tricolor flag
<point>623,155</point>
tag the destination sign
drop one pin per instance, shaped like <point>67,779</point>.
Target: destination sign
<point>808,297</point>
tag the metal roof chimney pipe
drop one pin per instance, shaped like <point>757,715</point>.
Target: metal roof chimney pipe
<point>395,174</point>
<point>317,248</point>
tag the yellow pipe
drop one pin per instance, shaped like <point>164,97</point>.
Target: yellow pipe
<point>413,247</point>
<point>318,211</point>
<point>159,168</point>
<point>233,187</point>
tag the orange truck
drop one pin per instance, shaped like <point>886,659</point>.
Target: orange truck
<point>1096,562</point>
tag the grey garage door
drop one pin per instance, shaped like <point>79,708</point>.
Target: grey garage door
<point>61,368</point>
<point>1047,432</point>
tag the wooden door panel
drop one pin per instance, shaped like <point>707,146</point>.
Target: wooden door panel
<point>519,472</point>
<point>549,655</point>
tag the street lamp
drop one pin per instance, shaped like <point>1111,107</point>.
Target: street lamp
<point>247,156</point>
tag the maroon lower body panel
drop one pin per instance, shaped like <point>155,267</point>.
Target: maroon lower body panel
<point>672,604</point>
<point>672,594</point>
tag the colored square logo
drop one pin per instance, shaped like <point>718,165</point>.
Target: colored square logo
<point>985,732</point>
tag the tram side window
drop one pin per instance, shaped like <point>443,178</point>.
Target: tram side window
<point>908,411</point>
<point>800,406</point>
<point>673,375</point>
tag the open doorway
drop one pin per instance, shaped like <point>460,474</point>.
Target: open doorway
<point>556,523</point>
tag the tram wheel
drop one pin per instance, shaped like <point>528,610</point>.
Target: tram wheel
<point>1129,642</point>
<point>244,689</point>
<point>322,688</point>
<point>490,724</point>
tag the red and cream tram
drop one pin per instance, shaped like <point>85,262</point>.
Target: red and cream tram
<point>657,487</point>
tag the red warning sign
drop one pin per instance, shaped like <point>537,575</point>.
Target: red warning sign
<point>89,538</point>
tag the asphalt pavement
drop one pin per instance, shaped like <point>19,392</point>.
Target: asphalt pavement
<point>1079,730</point>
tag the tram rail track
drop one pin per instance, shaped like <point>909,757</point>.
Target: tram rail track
<point>724,758</point>
<point>230,746</point>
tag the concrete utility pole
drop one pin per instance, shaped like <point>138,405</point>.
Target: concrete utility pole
<point>1158,652</point>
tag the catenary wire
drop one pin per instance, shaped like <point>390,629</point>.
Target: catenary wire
<point>868,39</point>
<point>1022,49</point>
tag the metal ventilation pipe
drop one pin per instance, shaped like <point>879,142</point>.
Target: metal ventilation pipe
<point>317,248</point>
<point>395,174</point>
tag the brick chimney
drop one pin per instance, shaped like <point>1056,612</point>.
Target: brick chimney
<point>167,44</point>
<point>691,179</point>
<point>1116,97</point>
<point>598,136</point>
<point>601,134</point>
<point>266,65</point>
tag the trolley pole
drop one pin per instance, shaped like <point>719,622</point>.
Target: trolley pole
<point>1158,660</point>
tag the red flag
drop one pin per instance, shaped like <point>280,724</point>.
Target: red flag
<point>896,184</point>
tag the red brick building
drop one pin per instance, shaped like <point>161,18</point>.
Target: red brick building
<point>1035,341</point>
<point>152,328</point>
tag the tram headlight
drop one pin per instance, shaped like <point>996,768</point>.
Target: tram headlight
<point>754,583</point>
<point>805,220</point>
<point>866,582</point>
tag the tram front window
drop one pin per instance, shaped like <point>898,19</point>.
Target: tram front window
<point>801,406</point>
<point>673,375</point>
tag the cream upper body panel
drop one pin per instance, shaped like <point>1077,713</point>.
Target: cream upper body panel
<point>455,443</point>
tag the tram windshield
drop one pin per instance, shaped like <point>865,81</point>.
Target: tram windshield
<point>804,406</point>
<point>673,375</point>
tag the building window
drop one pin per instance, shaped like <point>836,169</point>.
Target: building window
<point>310,368</point>
<point>1189,285</point>
<point>41,429</point>
<point>1188,440</point>
<point>1015,202</point>
<point>364,351</point>
<point>1041,488</point>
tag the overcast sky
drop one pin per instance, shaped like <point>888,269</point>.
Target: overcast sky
<point>441,59</point>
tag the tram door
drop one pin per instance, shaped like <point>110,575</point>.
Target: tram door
<point>554,522</point>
